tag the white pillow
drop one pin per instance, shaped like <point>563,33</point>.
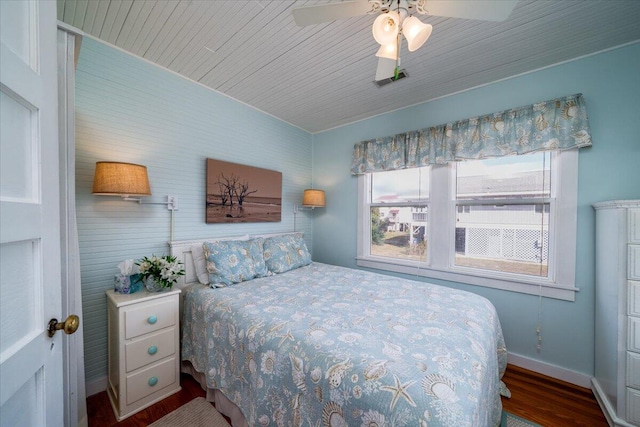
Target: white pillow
<point>200,262</point>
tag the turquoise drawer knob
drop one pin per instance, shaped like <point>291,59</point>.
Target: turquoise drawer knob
<point>152,319</point>
<point>153,381</point>
<point>152,350</point>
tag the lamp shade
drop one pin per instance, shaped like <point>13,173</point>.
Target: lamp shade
<point>120,179</point>
<point>416,32</point>
<point>313,198</point>
<point>386,27</point>
<point>389,51</point>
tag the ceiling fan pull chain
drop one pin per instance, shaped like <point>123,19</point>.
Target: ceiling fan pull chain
<point>396,71</point>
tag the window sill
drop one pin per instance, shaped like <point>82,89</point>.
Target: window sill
<point>522,285</point>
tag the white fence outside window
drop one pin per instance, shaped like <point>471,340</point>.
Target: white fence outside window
<point>516,244</point>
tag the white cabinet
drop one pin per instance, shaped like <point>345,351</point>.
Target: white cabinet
<point>144,354</point>
<point>616,384</point>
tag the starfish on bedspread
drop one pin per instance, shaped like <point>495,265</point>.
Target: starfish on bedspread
<point>287,336</point>
<point>399,390</point>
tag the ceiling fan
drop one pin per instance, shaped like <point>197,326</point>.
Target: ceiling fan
<point>397,17</point>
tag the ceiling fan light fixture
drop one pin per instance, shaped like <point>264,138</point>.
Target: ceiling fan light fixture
<point>416,32</point>
<point>389,51</point>
<point>386,27</point>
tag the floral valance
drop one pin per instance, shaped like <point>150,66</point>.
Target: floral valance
<point>558,124</point>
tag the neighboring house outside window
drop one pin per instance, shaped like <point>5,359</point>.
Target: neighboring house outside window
<point>507,223</point>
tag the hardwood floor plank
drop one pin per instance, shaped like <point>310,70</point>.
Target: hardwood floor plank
<point>550,402</point>
<point>541,399</point>
<point>101,414</point>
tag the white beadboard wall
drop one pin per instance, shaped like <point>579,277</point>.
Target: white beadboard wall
<point>129,110</point>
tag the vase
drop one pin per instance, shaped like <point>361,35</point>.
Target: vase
<point>152,285</point>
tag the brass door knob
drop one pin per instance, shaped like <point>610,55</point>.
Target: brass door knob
<point>69,326</point>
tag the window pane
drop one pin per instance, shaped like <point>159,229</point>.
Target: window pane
<point>399,232</point>
<point>401,186</point>
<point>508,238</point>
<point>523,176</point>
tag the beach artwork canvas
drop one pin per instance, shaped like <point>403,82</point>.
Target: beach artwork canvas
<point>239,193</point>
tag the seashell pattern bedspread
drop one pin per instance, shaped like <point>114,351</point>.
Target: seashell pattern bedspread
<point>330,346</point>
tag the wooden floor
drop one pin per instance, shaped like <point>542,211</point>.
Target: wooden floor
<point>550,402</point>
<point>101,414</point>
<point>546,401</point>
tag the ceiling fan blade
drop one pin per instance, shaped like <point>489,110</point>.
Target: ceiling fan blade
<point>386,68</point>
<point>486,10</point>
<point>329,12</point>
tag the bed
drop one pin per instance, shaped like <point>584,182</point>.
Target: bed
<point>322,345</point>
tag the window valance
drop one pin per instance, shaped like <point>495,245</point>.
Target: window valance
<point>558,124</point>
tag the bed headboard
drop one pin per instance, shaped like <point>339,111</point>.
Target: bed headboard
<point>182,250</point>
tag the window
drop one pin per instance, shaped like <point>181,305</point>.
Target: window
<point>507,223</point>
<point>398,214</point>
<point>504,221</point>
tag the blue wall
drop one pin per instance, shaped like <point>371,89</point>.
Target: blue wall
<point>129,110</point>
<point>610,82</point>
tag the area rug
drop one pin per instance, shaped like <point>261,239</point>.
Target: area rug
<point>200,413</point>
<point>510,420</point>
<point>197,413</point>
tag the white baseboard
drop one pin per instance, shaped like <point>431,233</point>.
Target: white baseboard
<point>549,370</point>
<point>607,408</point>
<point>96,386</point>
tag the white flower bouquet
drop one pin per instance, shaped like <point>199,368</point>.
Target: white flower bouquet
<point>164,270</point>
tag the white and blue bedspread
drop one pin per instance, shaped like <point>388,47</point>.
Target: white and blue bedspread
<point>331,346</point>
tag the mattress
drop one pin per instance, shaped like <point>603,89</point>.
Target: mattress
<point>332,346</point>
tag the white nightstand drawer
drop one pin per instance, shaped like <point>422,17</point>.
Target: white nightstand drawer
<point>633,334</point>
<point>633,370</point>
<point>634,262</point>
<point>149,349</point>
<point>151,380</point>
<point>634,225</point>
<point>149,317</point>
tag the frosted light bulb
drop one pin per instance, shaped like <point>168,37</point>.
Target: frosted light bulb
<point>385,27</point>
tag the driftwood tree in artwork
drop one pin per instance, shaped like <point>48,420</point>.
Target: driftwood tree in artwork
<point>237,193</point>
<point>241,190</point>
<point>230,187</point>
<point>224,195</point>
<point>227,185</point>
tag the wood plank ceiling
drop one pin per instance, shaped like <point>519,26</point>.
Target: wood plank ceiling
<point>319,77</point>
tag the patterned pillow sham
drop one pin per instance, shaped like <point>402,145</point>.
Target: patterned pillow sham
<point>286,252</point>
<point>234,261</point>
<point>200,261</point>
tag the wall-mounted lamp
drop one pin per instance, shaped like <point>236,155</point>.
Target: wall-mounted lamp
<point>126,180</point>
<point>311,199</point>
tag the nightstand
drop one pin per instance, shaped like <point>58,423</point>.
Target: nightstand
<point>144,353</point>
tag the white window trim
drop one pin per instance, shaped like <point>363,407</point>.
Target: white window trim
<point>560,283</point>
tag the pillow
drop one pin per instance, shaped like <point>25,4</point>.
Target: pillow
<point>256,250</point>
<point>234,261</point>
<point>286,252</point>
<point>200,262</point>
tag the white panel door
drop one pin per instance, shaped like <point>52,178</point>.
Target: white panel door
<point>30,361</point>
